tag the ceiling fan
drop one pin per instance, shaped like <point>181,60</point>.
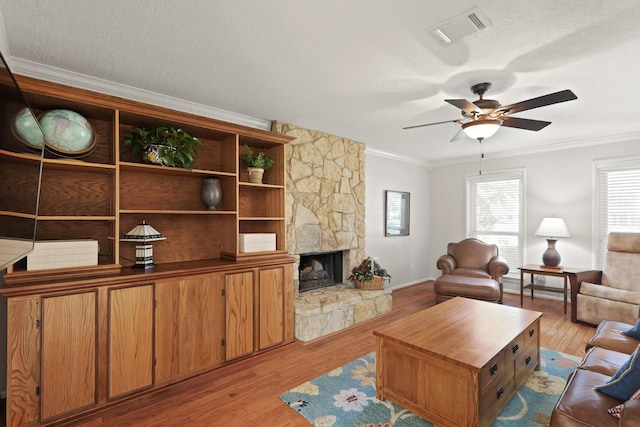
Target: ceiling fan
<point>483,117</point>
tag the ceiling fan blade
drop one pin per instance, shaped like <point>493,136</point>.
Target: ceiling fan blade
<point>466,106</point>
<point>527,124</point>
<point>431,124</point>
<point>457,136</point>
<point>541,101</point>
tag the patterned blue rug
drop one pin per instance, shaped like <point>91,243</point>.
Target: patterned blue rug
<point>345,397</point>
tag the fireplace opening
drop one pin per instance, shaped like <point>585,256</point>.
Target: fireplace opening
<point>319,270</point>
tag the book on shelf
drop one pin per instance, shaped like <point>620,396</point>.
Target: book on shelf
<point>48,254</point>
<point>257,242</point>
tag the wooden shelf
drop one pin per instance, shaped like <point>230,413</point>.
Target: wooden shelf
<point>101,195</point>
<point>18,214</point>
<point>264,218</point>
<point>162,170</point>
<point>175,212</point>
<point>254,185</point>
<point>75,218</point>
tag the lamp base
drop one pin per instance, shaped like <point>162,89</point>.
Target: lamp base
<point>551,267</point>
<point>145,266</point>
<point>144,256</point>
<point>551,257</point>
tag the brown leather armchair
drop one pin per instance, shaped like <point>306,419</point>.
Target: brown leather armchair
<point>475,260</point>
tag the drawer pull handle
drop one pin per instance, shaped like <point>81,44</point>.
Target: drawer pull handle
<point>493,369</point>
<point>516,347</point>
<point>500,393</point>
<point>532,332</point>
<point>527,360</point>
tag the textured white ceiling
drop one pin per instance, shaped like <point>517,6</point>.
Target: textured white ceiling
<point>361,69</point>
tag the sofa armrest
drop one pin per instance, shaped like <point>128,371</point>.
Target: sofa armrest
<point>576,279</point>
<point>498,267</point>
<point>590,276</point>
<point>446,263</point>
<point>630,415</point>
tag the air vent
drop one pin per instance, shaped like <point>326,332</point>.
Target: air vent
<point>455,29</point>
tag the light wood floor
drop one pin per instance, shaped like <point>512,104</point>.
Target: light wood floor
<point>247,392</point>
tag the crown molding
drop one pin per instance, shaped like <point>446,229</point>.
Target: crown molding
<point>82,81</point>
<point>566,145</point>
<point>404,159</point>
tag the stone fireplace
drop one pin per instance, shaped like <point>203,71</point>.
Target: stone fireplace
<point>325,212</point>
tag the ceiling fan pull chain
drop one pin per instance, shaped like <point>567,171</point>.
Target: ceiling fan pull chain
<point>481,156</point>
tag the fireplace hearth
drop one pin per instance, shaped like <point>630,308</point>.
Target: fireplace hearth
<point>320,270</point>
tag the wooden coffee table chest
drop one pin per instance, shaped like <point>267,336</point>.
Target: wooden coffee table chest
<point>457,363</point>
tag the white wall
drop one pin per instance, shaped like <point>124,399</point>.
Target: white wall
<point>404,257</point>
<point>558,182</point>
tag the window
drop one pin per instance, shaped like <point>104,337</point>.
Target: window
<point>495,209</point>
<point>396,218</point>
<point>617,201</point>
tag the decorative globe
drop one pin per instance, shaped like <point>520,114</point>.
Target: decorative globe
<point>67,132</point>
<point>26,129</point>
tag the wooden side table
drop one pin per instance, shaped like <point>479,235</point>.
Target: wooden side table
<point>568,274</point>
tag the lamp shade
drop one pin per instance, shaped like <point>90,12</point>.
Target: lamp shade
<point>481,128</point>
<point>143,233</point>
<point>552,228</point>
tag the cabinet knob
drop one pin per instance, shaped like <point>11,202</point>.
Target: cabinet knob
<point>532,332</point>
<point>527,360</point>
<point>515,348</point>
<point>500,392</point>
<point>493,369</point>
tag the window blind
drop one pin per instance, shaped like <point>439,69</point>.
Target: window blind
<point>495,213</point>
<point>617,188</point>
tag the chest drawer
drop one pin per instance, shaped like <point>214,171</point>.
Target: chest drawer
<point>494,369</point>
<point>494,396</point>
<point>531,334</point>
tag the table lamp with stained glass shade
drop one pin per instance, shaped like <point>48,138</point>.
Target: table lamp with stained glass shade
<point>552,229</point>
<point>142,234</point>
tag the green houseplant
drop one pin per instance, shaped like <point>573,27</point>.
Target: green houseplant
<point>164,146</point>
<point>256,163</point>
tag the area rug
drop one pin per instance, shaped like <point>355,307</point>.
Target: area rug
<point>345,397</point>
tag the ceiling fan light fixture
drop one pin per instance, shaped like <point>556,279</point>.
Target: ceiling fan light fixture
<point>481,128</point>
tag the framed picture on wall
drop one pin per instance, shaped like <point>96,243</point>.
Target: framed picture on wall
<point>396,213</point>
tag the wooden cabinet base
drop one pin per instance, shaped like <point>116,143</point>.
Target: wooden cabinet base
<point>76,348</point>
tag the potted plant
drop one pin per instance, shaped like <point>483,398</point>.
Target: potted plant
<point>368,275</point>
<point>256,163</point>
<point>163,145</point>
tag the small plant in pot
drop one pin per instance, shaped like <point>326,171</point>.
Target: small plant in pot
<point>256,163</point>
<point>164,146</point>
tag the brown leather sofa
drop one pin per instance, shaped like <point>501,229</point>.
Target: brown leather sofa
<point>580,404</point>
<point>472,269</point>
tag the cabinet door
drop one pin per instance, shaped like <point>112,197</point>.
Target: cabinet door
<point>271,307</point>
<point>69,331</point>
<point>239,314</point>
<point>189,325</point>
<point>130,339</point>
<point>23,360</point>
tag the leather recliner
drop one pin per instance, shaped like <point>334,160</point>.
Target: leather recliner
<point>614,292</point>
